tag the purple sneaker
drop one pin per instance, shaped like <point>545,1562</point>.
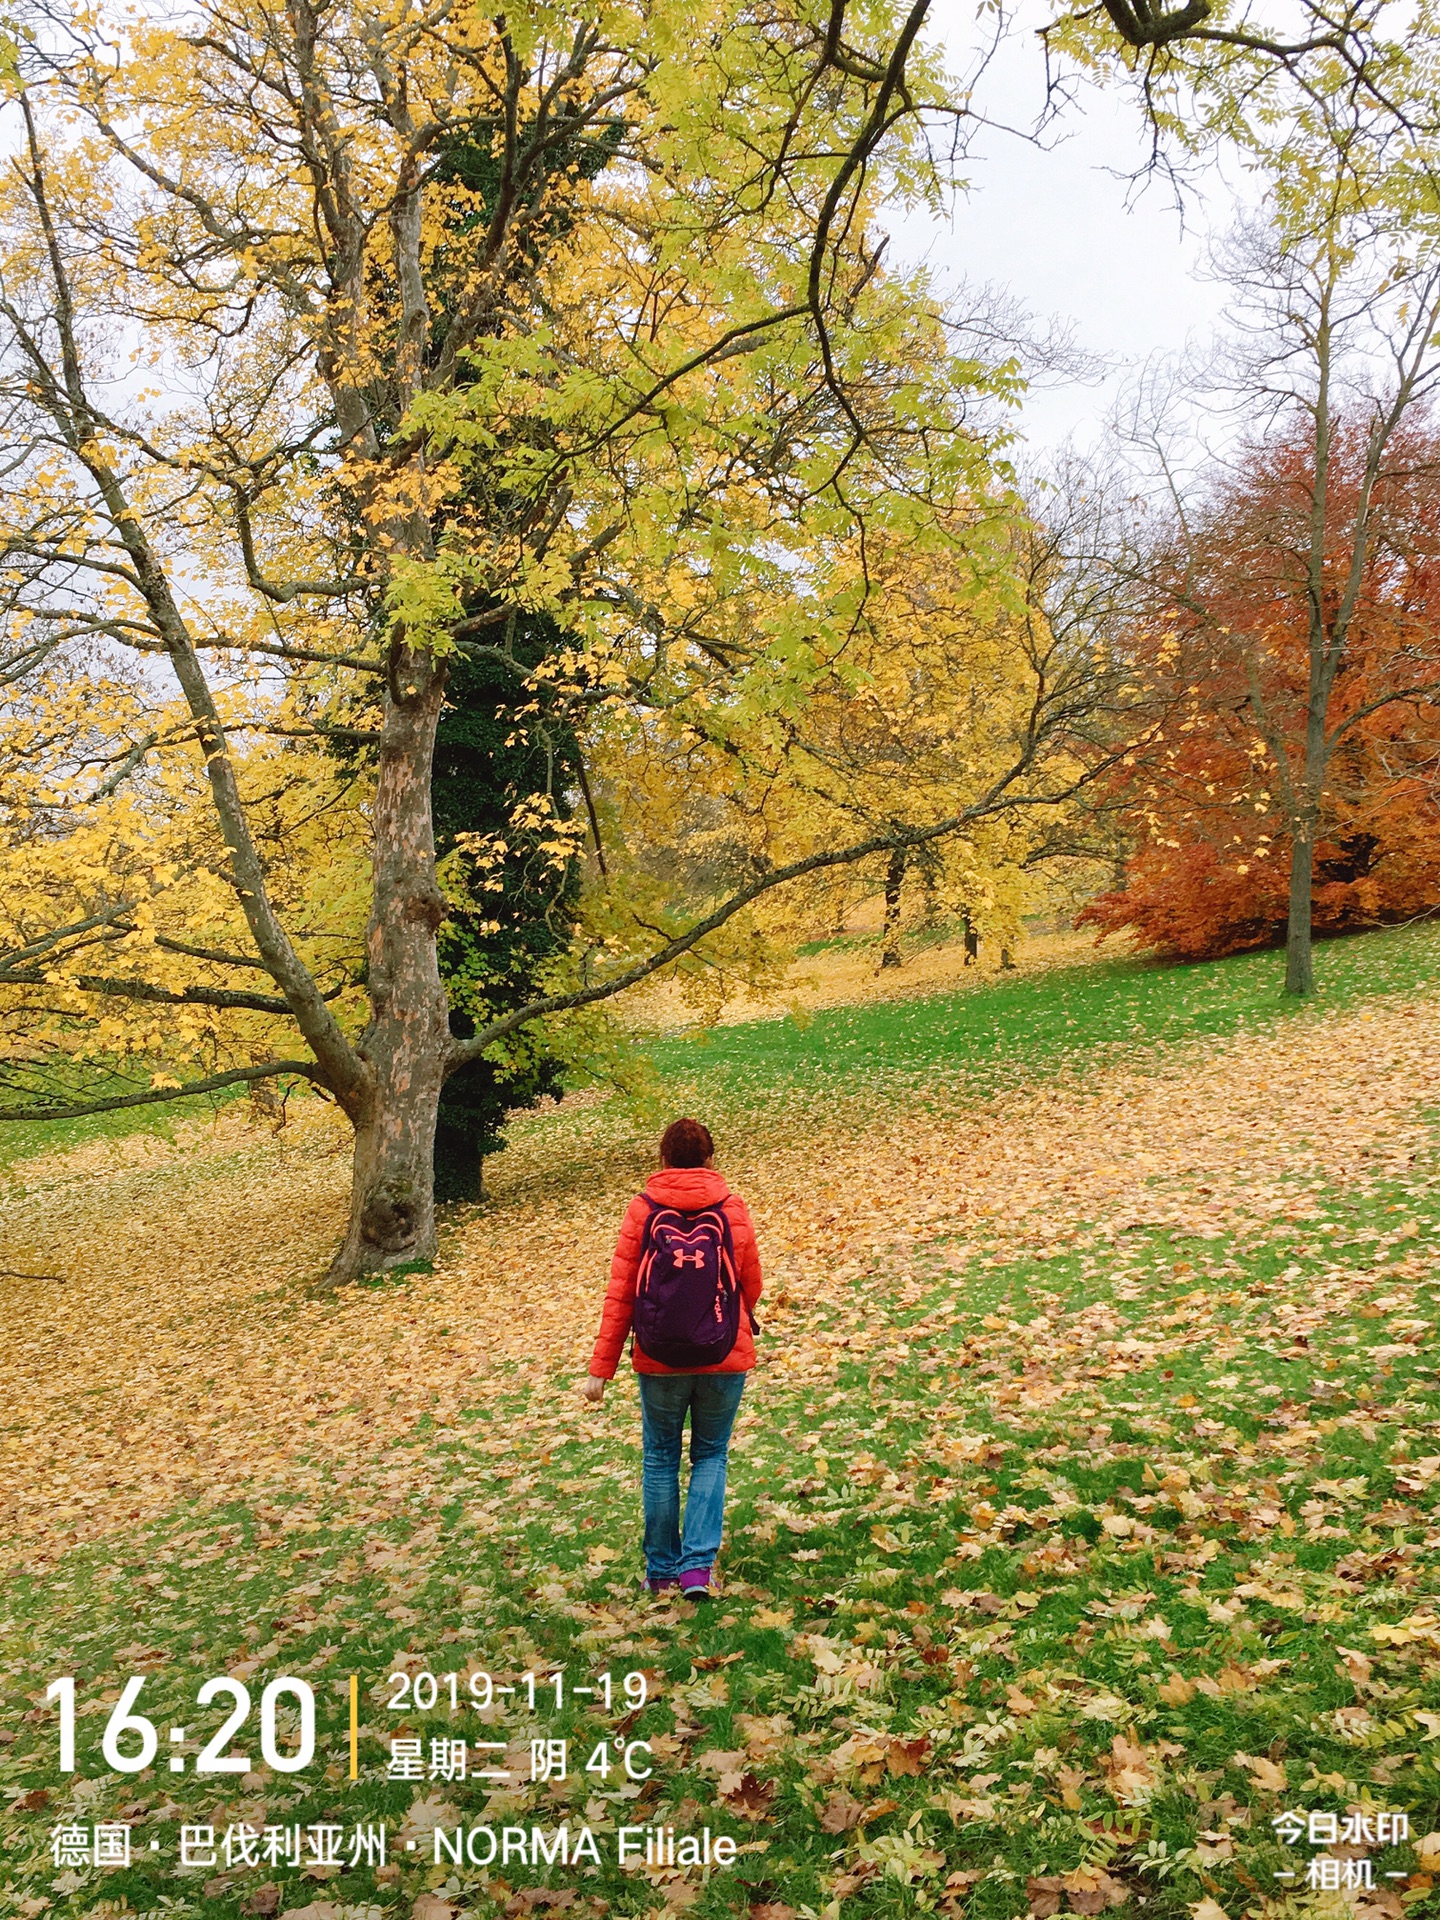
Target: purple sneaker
<point>695,1585</point>
<point>660,1586</point>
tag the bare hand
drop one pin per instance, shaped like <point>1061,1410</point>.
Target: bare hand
<point>593,1388</point>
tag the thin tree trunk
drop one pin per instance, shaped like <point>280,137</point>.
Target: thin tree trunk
<point>407,1045</point>
<point>931,880</point>
<point>894,884</point>
<point>1299,955</point>
<point>1307,798</point>
<point>266,1107</point>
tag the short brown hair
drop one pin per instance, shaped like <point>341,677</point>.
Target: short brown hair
<point>685,1143</point>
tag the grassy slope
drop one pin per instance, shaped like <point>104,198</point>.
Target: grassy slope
<point>1015,1027</point>
<point>20,1140</point>
<point>996,1031</point>
<point>982,1520</point>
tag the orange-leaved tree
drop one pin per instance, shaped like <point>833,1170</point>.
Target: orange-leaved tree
<point>1289,595</point>
<point>1213,802</point>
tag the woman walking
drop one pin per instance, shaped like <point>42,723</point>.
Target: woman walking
<point>684,1280</point>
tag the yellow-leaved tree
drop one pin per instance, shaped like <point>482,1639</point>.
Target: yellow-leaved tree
<point>960,691</point>
<point>337,339</point>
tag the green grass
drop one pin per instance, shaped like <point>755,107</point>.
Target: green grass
<point>967,1638</point>
<point>23,1139</point>
<point>941,1550</point>
<point>1031,1024</point>
<point>994,1033</point>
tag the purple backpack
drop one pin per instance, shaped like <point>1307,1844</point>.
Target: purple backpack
<point>687,1296</point>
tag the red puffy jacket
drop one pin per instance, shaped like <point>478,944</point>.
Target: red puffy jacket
<point>689,1188</point>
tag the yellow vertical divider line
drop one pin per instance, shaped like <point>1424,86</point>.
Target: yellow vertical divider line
<point>354,1726</point>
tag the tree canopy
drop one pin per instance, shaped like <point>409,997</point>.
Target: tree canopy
<point>338,347</point>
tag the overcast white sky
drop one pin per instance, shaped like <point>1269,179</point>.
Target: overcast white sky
<point>1066,231</point>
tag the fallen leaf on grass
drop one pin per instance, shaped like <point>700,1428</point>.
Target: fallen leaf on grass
<point>1092,1890</point>
<point>841,1812</point>
<point>1383,1903</point>
<point>1230,1679</point>
<point>750,1796</point>
<point>1128,1772</point>
<point>427,1814</point>
<point>1085,1890</point>
<point>844,1884</point>
<point>765,1734</point>
<point>862,1754</point>
<point>1212,1846</point>
<point>1266,1775</point>
<point>1070,1780</point>
<point>1356,1666</point>
<point>1046,1892</point>
<point>907,1756</point>
<point>957,1886</point>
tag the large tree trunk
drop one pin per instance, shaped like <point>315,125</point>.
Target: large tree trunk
<point>407,1045</point>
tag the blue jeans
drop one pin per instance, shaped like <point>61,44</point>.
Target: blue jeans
<point>712,1401</point>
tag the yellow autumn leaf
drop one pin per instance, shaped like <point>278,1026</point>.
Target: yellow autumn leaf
<point>1267,1775</point>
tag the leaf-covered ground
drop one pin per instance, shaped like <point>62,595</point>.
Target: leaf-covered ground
<point>1082,1507</point>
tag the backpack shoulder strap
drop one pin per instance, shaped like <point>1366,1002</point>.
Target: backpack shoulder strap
<point>685,1213</point>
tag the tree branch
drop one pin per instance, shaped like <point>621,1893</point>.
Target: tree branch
<point>236,1077</point>
<point>997,801</point>
<point>345,1071</point>
<point>229,998</point>
<point>47,943</point>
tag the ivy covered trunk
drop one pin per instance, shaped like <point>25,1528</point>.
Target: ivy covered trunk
<point>406,1046</point>
<point>503,745</point>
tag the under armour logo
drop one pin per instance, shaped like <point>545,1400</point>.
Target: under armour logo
<point>681,1257</point>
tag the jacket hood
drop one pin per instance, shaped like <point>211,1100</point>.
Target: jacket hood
<point>689,1188</point>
